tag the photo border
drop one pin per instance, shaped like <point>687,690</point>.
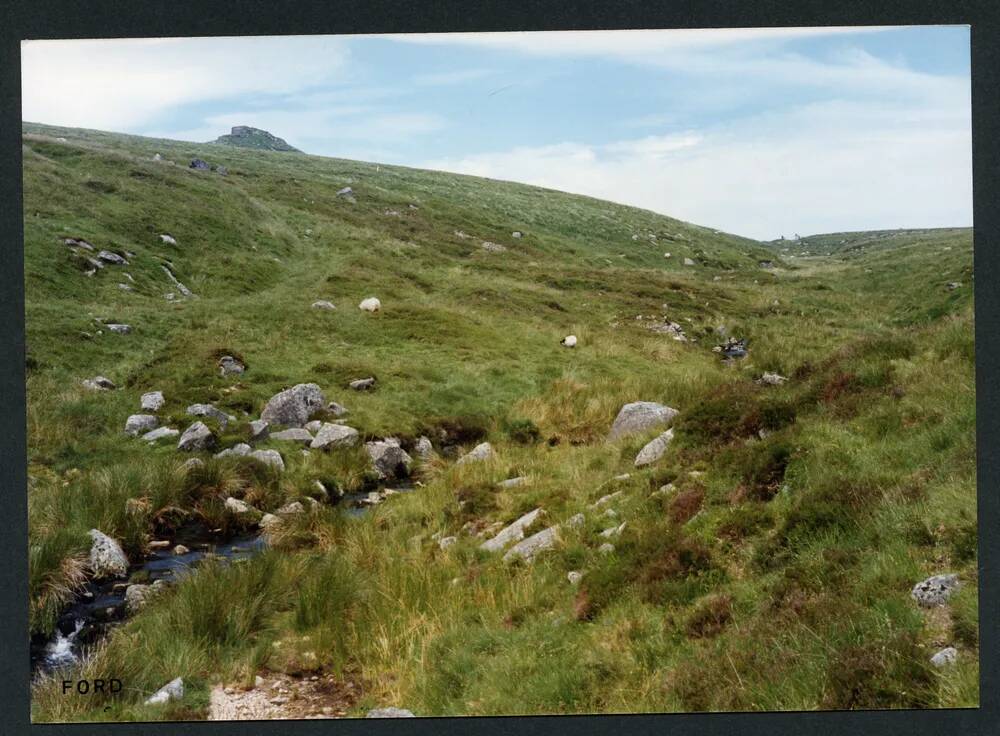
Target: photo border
<point>67,19</point>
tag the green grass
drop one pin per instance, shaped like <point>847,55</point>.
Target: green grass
<point>778,578</point>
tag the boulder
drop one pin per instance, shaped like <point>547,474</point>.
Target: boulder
<point>161,433</point>
<point>152,401</point>
<point>526,549</point>
<point>424,449</point>
<point>313,426</point>
<point>295,406</point>
<point>98,383</point>
<point>119,329</point>
<point>207,410</point>
<point>948,655</point>
<point>238,507</point>
<point>140,424</point>
<point>267,521</point>
<point>238,450</point>
<point>482,451</point>
<point>569,341</point>
<point>269,457</point>
<point>168,239</point>
<point>935,590</point>
<point>323,304</point>
<point>388,459</point>
<point>107,560</point>
<point>371,304</point>
<point>335,435</point>
<point>294,434</point>
<point>137,596</point>
<point>230,366</point>
<point>173,690</point>
<point>201,165</point>
<point>113,258</point>
<point>389,713</point>
<point>363,384</point>
<point>654,449</point>
<point>511,533</point>
<point>640,416</point>
<point>259,430</point>
<point>196,437</point>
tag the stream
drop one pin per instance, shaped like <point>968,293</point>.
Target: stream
<point>100,606</point>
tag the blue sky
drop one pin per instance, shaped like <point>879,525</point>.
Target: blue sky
<point>761,132</point>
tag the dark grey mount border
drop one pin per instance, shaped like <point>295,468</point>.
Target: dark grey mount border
<point>30,19</point>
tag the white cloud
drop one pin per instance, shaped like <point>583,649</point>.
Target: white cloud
<point>819,168</point>
<point>121,84</point>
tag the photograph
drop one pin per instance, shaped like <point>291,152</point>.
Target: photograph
<point>500,373</point>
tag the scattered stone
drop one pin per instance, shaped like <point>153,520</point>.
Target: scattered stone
<point>517,235</point>
<point>196,437</point>
<point>152,401</point>
<point>574,577</point>
<point>513,482</point>
<point>424,449</point>
<point>239,450</point>
<point>173,690</point>
<point>482,451</point>
<point>140,424</point>
<point>948,655</point>
<point>230,366</point>
<point>935,590</point>
<point>952,285</point>
<point>207,410</point>
<point>511,533</point>
<point>526,549</point>
<point>606,549</point>
<point>335,435</point>
<point>119,329</point>
<point>113,258</point>
<point>576,521</point>
<point>157,157</point>
<point>98,383</point>
<point>180,287</point>
<point>159,544</point>
<point>771,379</point>
<point>346,192</point>
<point>389,713</point>
<point>168,239</point>
<point>323,304</point>
<point>445,542</point>
<point>107,560</point>
<point>640,416</point>
<point>569,341</point>
<point>491,247</point>
<point>269,457</point>
<point>606,499</point>
<point>338,410</point>
<point>313,426</point>
<point>371,304</point>
<point>689,262</point>
<point>125,287</point>
<point>221,170</point>
<point>180,549</point>
<point>294,434</point>
<point>295,406</point>
<point>78,243</point>
<point>259,430</point>
<point>654,450</point>
<point>197,163</point>
<point>388,459</point>
<point>363,384</point>
<point>268,521</point>
<point>733,348</point>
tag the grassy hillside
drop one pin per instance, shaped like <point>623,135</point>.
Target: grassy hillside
<point>773,572</point>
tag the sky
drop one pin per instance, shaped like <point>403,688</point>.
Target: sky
<point>759,132</point>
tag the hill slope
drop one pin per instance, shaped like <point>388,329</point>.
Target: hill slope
<point>766,560</point>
